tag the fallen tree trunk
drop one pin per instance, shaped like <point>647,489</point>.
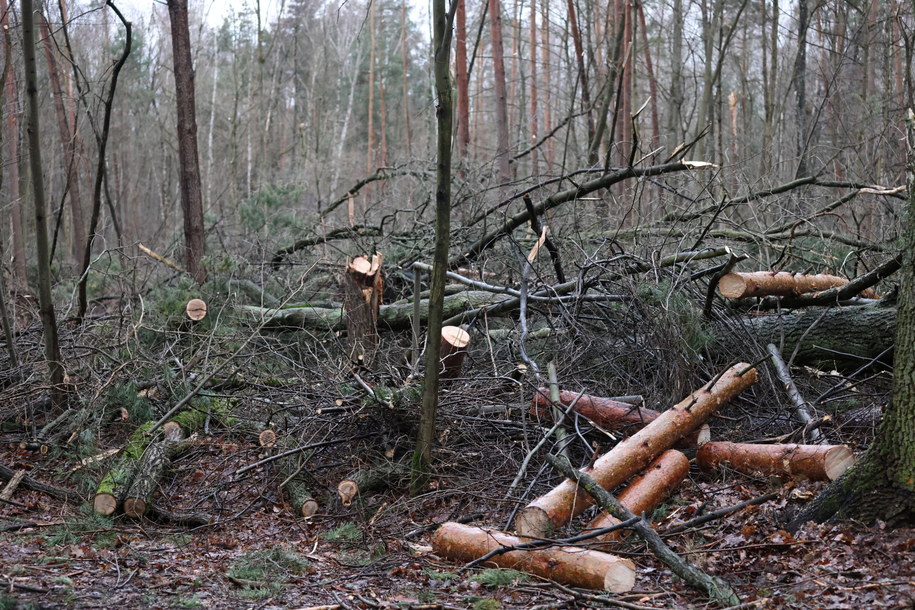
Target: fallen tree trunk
<point>150,469</point>
<point>396,316</point>
<point>610,414</point>
<point>570,565</point>
<point>814,462</point>
<point>381,476</point>
<point>783,284</point>
<point>113,487</point>
<point>840,338</point>
<point>290,468</point>
<point>646,491</point>
<point>567,500</point>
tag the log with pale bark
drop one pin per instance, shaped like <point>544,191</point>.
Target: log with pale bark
<point>567,500</point>
<point>646,491</point>
<point>454,347</point>
<point>610,414</point>
<point>570,565</point>
<point>362,288</point>
<point>784,284</point>
<point>814,462</point>
<point>842,338</point>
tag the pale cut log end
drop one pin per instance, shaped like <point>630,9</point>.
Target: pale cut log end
<point>456,336</point>
<point>267,438</point>
<point>196,309</point>
<point>105,504</point>
<point>363,266</point>
<point>134,507</point>
<point>620,578</point>
<point>732,286</point>
<point>308,508</point>
<point>533,521</point>
<point>837,461</point>
<point>170,428</point>
<point>347,489</point>
<point>703,435</point>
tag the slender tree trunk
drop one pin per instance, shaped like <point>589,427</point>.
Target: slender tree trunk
<point>534,131</point>
<point>463,80</point>
<point>46,303</point>
<point>441,47</point>
<point>674,120</point>
<point>68,159</point>
<point>11,95</point>
<point>582,76</point>
<point>406,92</point>
<point>800,87</point>
<point>189,177</point>
<point>498,61</point>
<point>547,80</point>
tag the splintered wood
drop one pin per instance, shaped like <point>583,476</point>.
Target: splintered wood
<point>570,565</point>
<point>814,462</point>
<point>362,288</point>
<point>567,500</point>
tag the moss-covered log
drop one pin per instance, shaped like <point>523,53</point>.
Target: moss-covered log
<point>112,489</point>
<point>842,338</point>
<point>379,477</point>
<point>396,316</point>
<point>150,469</point>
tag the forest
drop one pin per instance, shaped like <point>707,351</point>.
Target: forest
<point>507,304</point>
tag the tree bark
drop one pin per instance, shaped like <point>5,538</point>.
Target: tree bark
<point>454,347</point>
<point>567,500</point>
<point>814,462</point>
<point>503,159</point>
<point>189,164</point>
<point>362,290</point>
<point>782,284</point>
<point>646,490</point>
<point>570,565</point>
<point>11,97</point>
<point>151,466</point>
<point>45,299</point>
<point>441,47</point>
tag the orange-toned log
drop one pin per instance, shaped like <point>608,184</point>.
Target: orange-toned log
<point>570,565</point>
<point>646,490</point>
<point>453,350</point>
<point>815,462</point>
<point>632,455</point>
<point>610,414</point>
<point>780,284</point>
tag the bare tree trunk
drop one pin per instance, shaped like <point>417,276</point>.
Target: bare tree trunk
<point>441,47</point>
<point>45,300</point>
<point>547,80</point>
<point>800,87</point>
<point>534,85</point>
<point>498,62</point>
<point>405,93</point>
<point>68,159</point>
<point>674,120</point>
<point>463,81</point>
<point>12,129</point>
<point>189,178</point>
<point>582,75</point>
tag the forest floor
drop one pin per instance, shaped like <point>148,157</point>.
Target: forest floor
<point>372,555</point>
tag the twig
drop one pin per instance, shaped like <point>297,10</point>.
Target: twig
<point>714,587</point>
<point>676,529</point>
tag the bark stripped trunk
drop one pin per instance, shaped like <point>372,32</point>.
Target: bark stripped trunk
<point>571,565</point>
<point>782,283</point>
<point>567,500</point>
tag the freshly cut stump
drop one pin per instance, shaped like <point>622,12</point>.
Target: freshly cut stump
<point>570,565</point>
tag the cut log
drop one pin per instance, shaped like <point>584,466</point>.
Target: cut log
<point>815,462</point>
<point>196,309</point>
<point>11,485</point>
<point>381,476</point>
<point>611,414</point>
<point>293,473</point>
<point>114,486</point>
<point>783,284</point>
<point>454,347</point>
<point>362,288</point>
<point>646,490</point>
<point>567,500</point>
<point>570,565</point>
<point>153,463</point>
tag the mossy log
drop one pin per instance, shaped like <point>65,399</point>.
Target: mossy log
<point>842,338</point>
<point>114,486</point>
<point>379,477</point>
<point>292,470</point>
<point>396,316</point>
<point>150,469</point>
